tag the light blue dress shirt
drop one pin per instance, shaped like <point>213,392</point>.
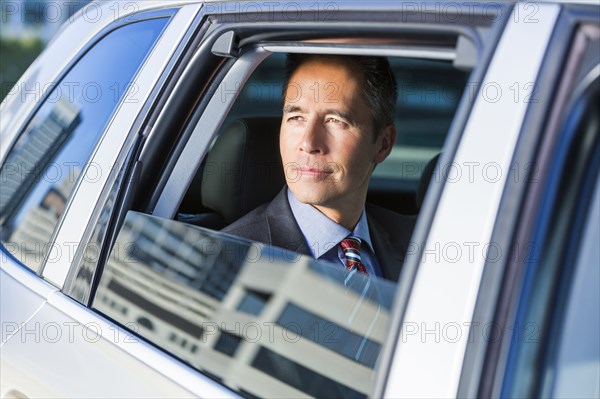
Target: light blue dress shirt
<point>323,236</point>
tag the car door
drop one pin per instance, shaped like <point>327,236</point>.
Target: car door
<point>241,313</point>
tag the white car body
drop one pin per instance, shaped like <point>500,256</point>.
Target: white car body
<point>54,346</point>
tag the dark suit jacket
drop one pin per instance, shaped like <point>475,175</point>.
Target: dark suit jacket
<point>274,224</point>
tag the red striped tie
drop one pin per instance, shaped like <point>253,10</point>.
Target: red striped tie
<point>351,248</point>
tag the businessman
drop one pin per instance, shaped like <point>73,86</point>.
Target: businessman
<point>337,125</point>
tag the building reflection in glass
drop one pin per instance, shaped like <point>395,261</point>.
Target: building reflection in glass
<point>264,321</point>
<point>26,230</point>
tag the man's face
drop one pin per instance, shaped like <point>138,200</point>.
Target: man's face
<point>326,137</point>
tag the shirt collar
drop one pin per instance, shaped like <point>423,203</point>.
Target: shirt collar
<point>320,232</point>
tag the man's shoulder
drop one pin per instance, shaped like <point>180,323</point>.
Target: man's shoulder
<point>253,223</point>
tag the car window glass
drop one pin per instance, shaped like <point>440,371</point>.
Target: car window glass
<point>552,274</point>
<point>263,320</point>
<point>43,167</point>
<point>578,365</point>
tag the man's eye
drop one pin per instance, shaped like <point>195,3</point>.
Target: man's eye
<point>296,118</point>
<point>335,121</point>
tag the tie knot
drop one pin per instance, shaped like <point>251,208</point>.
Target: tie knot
<point>351,243</point>
<point>351,248</point>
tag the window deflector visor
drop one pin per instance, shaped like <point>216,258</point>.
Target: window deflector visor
<point>435,53</point>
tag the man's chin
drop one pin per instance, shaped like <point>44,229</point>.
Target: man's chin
<point>308,196</point>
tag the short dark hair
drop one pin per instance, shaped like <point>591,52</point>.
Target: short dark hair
<point>379,85</point>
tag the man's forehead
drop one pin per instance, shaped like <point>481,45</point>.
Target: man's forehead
<point>337,65</point>
<point>323,83</point>
<point>302,100</point>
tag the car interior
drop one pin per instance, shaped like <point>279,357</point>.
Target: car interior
<point>243,168</point>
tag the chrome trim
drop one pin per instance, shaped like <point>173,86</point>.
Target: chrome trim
<point>79,280</point>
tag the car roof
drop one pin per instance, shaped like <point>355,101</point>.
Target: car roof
<point>378,4</point>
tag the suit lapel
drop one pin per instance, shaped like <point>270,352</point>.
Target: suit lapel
<point>283,228</point>
<point>388,256</point>
<point>284,232</point>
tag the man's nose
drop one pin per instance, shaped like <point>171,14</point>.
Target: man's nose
<point>312,139</point>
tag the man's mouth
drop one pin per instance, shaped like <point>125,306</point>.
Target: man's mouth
<point>315,172</point>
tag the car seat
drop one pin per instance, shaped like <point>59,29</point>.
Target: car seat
<point>243,170</point>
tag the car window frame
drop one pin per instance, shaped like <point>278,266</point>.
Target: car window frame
<point>416,347</point>
<point>459,121</point>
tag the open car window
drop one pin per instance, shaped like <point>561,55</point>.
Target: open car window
<point>198,265</point>
<point>263,320</point>
<point>429,93</point>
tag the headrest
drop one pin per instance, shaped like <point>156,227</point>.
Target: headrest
<point>243,169</point>
<point>425,180</point>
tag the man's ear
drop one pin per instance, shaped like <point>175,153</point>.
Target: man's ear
<point>385,143</point>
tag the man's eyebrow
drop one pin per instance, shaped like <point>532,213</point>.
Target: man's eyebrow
<point>288,109</point>
<point>344,115</point>
<point>291,108</point>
